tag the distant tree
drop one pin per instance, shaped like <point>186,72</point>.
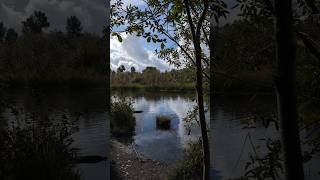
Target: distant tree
<point>35,23</point>
<point>150,69</point>
<point>74,27</point>
<point>133,69</point>
<point>11,36</point>
<point>121,68</point>
<point>3,30</point>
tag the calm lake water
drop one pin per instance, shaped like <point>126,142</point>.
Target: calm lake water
<point>88,106</point>
<point>231,141</point>
<point>162,145</point>
<point>229,145</point>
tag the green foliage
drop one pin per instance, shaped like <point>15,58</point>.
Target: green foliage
<point>37,149</point>
<point>122,119</point>
<point>191,119</point>
<point>269,166</point>
<point>165,23</point>
<point>54,58</point>
<point>252,47</point>
<point>152,78</point>
<point>191,166</point>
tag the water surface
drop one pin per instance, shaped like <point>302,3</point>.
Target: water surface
<point>85,107</point>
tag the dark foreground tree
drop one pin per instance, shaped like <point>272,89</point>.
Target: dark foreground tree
<point>196,39</point>
<point>74,27</point>
<point>35,23</point>
<point>286,90</point>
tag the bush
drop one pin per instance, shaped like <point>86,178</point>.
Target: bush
<point>191,166</point>
<point>122,119</point>
<point>37,151</point>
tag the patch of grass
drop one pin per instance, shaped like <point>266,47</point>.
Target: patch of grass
<point>191,166</point>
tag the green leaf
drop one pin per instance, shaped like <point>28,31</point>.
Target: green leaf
<point>149,39</point>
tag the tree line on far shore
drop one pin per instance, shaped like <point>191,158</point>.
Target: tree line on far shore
<point>53,57</point>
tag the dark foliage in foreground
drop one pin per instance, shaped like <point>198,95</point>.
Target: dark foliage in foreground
<point>32,147</point>
<point>122,120</point>
<point>191,167</point>
<point>36,152</point>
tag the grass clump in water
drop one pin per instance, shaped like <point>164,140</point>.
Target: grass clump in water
<point>122,118</point>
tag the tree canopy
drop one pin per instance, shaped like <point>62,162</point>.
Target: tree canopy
<point>35,23</point>
<point>74,27</point>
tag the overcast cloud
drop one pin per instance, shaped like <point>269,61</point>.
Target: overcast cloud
<point>92,13</point>
<point>133,52</point>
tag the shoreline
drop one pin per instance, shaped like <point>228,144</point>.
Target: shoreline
<point>132,166</point>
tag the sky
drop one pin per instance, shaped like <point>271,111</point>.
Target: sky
<point>133,51</point>
<point>136,52</point>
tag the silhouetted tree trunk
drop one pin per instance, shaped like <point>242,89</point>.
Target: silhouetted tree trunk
<point>196,34</point>
<point>285,83</point>
<point>211,94</point>
<point>108,92</point>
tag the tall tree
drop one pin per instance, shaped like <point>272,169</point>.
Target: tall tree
<point>74,27</point>
<point>196,39</point>
<point>3,31</point>
<point>11,36</point>
<point>35,23</point>
<point>286,90</point>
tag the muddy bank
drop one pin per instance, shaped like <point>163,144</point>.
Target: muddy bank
<point>131,165</point>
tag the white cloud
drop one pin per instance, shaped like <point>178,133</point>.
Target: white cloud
<point>132,52</point>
